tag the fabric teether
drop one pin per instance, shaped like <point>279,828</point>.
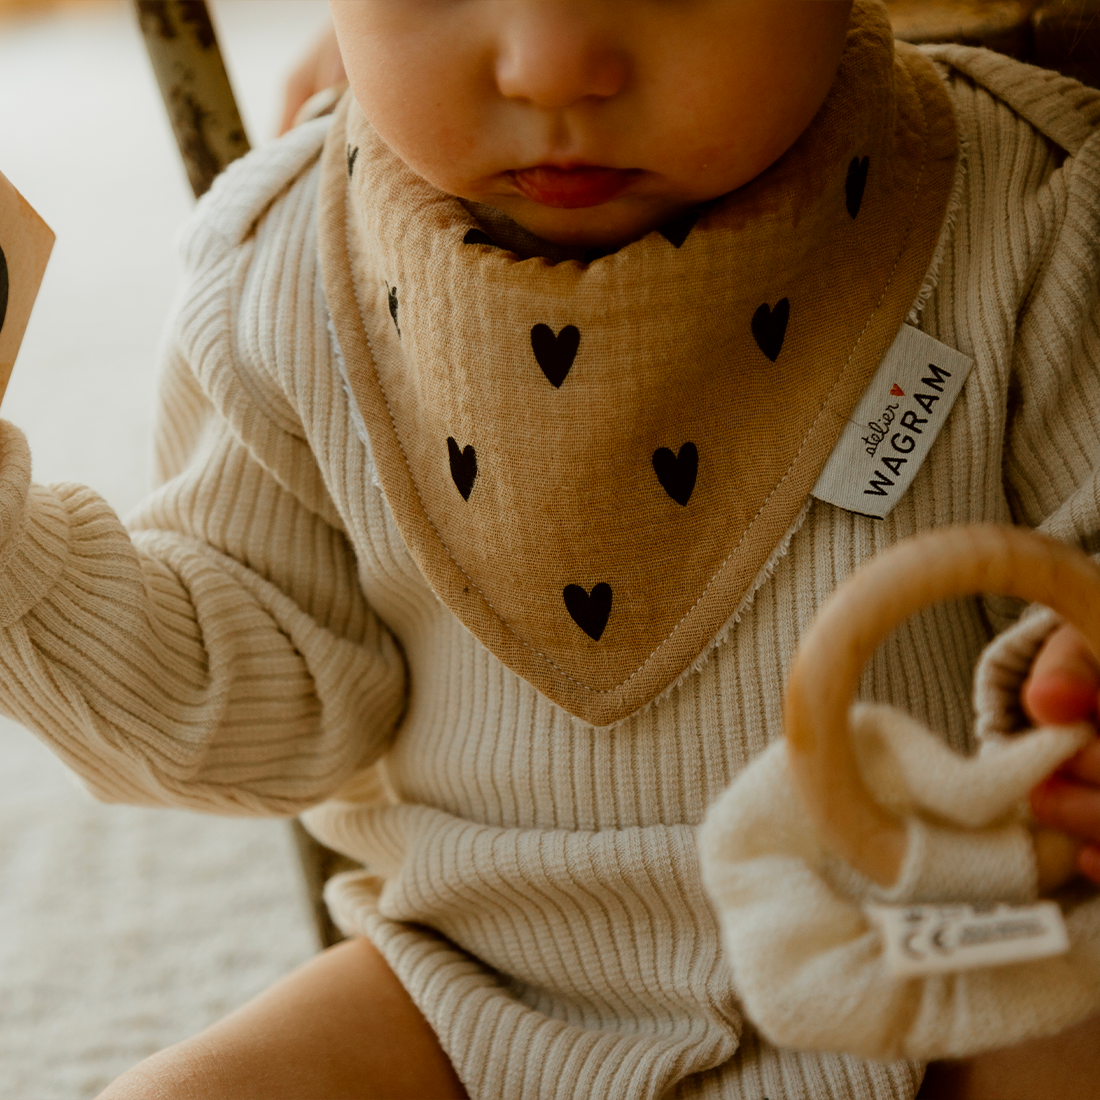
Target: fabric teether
<point>863,806</point>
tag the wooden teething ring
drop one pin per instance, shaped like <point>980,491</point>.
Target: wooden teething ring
<point>939,565</point>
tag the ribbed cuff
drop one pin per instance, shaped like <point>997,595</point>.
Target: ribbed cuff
<point>34,531</point>
<point>15,482</point>
<point>1002,669</point>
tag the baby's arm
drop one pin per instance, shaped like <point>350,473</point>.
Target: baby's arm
<point>218,654</point>
<point>1051,477</point>
<point>320,68</point>
<point>1052,470</point>
<point>221,657</point>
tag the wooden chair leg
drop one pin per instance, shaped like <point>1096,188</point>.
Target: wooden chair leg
<point>183,49</point>
<point>318,865</point>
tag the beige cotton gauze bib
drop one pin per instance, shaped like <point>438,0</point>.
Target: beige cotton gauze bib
<point>592,462</point>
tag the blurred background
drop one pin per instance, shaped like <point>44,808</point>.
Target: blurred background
<point>1056,34</point>
<point>123,930</point>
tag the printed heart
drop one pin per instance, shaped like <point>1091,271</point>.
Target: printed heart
<point>393,307</point>
<point>896,391</point>
<point>555,354</point>
<point>769,326</point>
<point>676,473</point>
<point>590,612</point>
<point>857,181</point>
<point>463,467</point>
<point>3,288</point>
<point>677,230</point>
<point>478,236</point>
<point>352,154</point>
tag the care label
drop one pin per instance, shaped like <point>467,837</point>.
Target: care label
<point>25,244</point>
<point>938,939</point>
<point>894,425</point>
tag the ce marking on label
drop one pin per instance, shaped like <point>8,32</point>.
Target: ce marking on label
<point>917,941</point>
<point>936,939</point>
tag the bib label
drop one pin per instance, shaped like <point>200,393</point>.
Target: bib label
<point>939,939</point>
<point>893,427</point>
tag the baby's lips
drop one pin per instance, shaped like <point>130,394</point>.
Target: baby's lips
<point>573,187</point>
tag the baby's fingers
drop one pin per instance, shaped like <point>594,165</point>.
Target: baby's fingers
<point>1064,681</point>
<point>1085,766</point>
<point>1071,807</point>
<point>1088,862</point>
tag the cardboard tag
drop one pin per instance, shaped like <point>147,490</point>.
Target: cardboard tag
<point>940,939</point>
<point>25,245</point>
<point>894,425</point>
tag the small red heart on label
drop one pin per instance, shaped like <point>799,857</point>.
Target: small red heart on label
<point>896,390</point>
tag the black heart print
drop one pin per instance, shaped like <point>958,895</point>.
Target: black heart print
<point>3,288</point>
<point>769,326</point>
<point>677,230</point>
<point>677,473</point>
<point>555,354</point>
<point>478,236</point>
<point>352,154</point>
<point>392,291</point>
<point>590,612</point>
<point>857,181</point>
<point>463,466</point>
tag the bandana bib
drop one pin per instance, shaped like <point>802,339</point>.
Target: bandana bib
<point>591,462</point>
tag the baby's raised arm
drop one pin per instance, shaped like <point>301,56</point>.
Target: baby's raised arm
<point>219,654</point>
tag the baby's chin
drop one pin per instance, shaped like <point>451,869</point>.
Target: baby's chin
<point>609,225</point>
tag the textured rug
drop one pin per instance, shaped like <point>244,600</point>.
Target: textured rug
<point>122,930</point>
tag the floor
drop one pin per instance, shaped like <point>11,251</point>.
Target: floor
<point>122,930</point>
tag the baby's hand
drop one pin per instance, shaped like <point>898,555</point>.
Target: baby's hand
<point>1062,687</point>
<point>321,68</point>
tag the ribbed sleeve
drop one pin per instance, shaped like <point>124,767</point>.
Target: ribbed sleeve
<point>218,653</point>
<point>1053,452</point>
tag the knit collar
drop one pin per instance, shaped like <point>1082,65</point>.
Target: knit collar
<point>592,462</point>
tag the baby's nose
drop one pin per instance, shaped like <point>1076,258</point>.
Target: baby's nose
<point>554,54</point>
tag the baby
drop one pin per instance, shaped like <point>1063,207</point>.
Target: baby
<point>494,414</point>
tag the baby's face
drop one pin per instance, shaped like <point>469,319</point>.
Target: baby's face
<point>590,122</point>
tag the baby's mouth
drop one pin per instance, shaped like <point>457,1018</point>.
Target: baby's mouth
<point>573,187</point>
